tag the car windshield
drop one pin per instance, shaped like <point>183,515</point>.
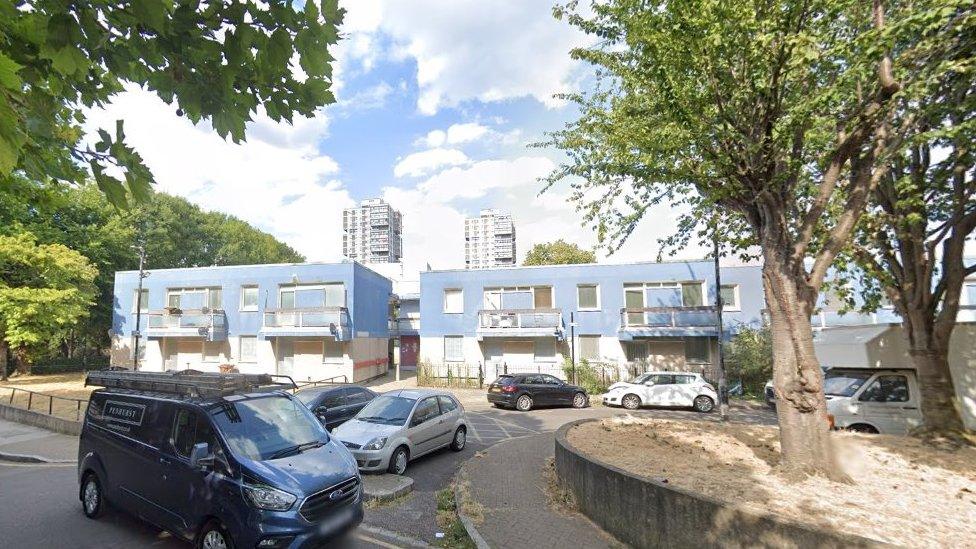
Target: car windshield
<point>267,427</point>
<point>844,384</point>
<point>307,397</point>
<point>641,378</point>
<point>387,410</point>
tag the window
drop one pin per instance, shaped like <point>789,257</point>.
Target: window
<point>589,347</point>
<point>551,380</point>
<point>588,297</point>
<point>426,411</point>
<point>248,349</point>
<point>194,298</point>
<point>684,379</point>
<point>969,291</point>
<point>886,389</point>
<point>211,351</point>
<point>447,404</point>
<point>453,301</point>
<point>334,400</point>
<point>696,350</point>
<point>545,349</point>
<point>453,348</point>
<point>215,299</point>
<point>312,296</point>
<point>249,298</point>
<point>333,351</point>
<point>184,432</point>
<point>659,379</point>
<point>691,294</point>
<point>730,297</point>
<point>543,297</point>
<point>356,395</point>
<point>142,303</point>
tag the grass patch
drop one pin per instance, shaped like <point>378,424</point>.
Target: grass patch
<point>559,497</point>
<point>447,519</point>
<point>380,503</point>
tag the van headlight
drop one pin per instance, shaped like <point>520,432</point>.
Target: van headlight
<point>268,498</point>
<point>376,444</point>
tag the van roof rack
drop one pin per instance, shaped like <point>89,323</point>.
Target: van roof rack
<point>188,382</point>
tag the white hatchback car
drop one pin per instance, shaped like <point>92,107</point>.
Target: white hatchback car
<point>679,389</point>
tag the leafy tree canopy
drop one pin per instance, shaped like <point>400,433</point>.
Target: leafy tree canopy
<point>216,61</point>
<point>559,252</point>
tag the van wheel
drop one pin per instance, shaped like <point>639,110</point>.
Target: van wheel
<point>214,536</point>
<point>92,497</point>
<point>524,403</point>
<point>398,461</point>
<point>460,438</point>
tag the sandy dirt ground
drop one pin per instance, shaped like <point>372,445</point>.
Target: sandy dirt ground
<point>71,385</point>
<point>904,492</point>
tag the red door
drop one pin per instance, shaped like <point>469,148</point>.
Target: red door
<point>409,349</point>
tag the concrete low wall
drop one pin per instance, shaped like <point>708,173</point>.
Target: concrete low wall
<point>51,423</point>
<point>644,512</point>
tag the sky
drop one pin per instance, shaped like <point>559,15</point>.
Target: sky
<point>437,104</point>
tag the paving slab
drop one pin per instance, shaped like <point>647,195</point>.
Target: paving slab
<point>386,487</point>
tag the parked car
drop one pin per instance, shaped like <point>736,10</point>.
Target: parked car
<point>683,389</point>
<point>526,391</point>
<point>401,426</point>
<point>334,406</point>
<point>770,394</point>
<point>873,401</point>
<point>218,459</point>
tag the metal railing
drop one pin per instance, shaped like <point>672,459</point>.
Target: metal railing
<point>73,406</point>
<point>405,325</point>
<point>668,317</point>
<point>189,318</point>
<point>329,381</point>
<point>316,317</point>
<point>504,319</point>
<point>456,374</point>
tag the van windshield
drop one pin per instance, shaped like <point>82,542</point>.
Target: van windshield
<point>267,427</point>
<point>844,384</point>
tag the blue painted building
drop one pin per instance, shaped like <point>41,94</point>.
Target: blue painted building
<point>658,315</point>
<point>312,321</point>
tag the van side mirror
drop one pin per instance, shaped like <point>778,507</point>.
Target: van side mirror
<point>200,456</point>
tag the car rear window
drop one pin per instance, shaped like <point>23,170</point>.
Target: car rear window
<point>505,380</point>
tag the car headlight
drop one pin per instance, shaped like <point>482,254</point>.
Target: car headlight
<point>376,444</point>
<point>268,498</point>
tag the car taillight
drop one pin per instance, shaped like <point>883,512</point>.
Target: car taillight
<point>508,389</point>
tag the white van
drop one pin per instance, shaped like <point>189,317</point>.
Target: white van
<point>873,401</point>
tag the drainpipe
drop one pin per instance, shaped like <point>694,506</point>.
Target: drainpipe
<point>572,343</point>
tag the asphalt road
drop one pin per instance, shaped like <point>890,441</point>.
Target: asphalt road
<point>39,505</point>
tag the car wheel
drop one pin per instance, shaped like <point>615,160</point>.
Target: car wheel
<point>524,403</point>
<point>703,404</point>
<point>631,402</point>
<point>579,400</point>
<point>460,439</point>
<point>214,536</point>
<point>862,428</point>
<point>398,461</point>
<point>92,497</point>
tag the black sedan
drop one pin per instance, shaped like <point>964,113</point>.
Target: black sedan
<point>335,405</point>
<point>525,391</point>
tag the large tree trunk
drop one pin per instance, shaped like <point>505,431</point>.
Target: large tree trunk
<point>797,379</point>
<point>929,348</point>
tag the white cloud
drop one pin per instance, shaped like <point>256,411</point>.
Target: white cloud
<point>277,180</point>
<point>424,162</point>
<point>471,49</point>
<point>462,133</point>
<point>435,138</point>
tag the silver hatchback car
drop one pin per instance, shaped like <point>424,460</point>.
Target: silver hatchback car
<point>402,425</point>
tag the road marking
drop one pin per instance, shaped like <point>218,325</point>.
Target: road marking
<point>499,420</point>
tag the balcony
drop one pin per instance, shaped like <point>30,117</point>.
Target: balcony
<point>520,323</point>
<point>667,321</point>
<point>210,324</point>
<point>405,326</point>
<point>312,321</point>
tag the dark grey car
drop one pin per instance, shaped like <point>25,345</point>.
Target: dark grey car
<point>334,406</point>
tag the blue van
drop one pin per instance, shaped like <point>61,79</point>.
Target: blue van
<point>222,460</point>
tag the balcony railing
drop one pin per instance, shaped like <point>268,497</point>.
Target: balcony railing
<point>210,323</point>
<point>405,325</point>
<point>311,317</point>
<point>668,317</point>
<point>513,320</point>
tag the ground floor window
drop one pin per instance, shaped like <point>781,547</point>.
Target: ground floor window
<point>211,351</point>
<point>248,349</point>
<point>589,347</point>
<point>333,351</point>
<point>453,348</point>
<point>696,350</point>
<point>636,351</point>
<point>545,349</point>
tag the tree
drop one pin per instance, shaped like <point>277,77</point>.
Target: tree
<point>559,252</point>
<point>750,357</point>
<point>910,247</point>
<point>44,289</point>
<point>217,61</point>
<point>776,115</point>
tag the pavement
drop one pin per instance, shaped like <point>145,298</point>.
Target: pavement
<point>27,444</point>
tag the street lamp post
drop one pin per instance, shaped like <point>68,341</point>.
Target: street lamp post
<point>136,333</point>
<point>723,389</point>
<point>572,343</point>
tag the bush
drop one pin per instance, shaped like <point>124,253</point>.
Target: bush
<point>61,365</point>
<point>593,379</point>
<point>749,359</point>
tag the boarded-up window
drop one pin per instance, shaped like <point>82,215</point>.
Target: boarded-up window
<point>453,348</point>
<point>453,301</point>
<point>545,349</point>
<point>333,351</point>
<point>588,296</point>
<point>249,351</point>
<point>730,294</point>
<point>696,350</point>
<point>543,297</point>
<point>589,347</point>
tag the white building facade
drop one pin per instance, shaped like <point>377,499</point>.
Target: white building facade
<point>489,240</point>
<point>372,232</point>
